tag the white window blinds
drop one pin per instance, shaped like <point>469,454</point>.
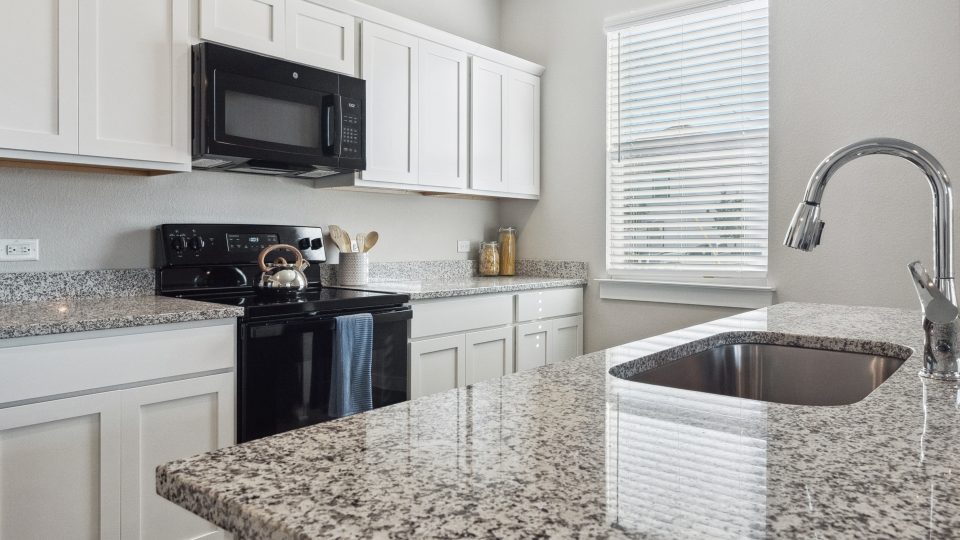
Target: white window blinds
<point>687,144</point>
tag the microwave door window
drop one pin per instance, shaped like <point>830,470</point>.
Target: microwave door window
<point>271,120</point>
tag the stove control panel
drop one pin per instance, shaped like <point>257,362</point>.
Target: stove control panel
<point>222,244</point>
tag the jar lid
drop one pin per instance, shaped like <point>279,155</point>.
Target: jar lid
<point>508,229</point>
<point>489,244</point>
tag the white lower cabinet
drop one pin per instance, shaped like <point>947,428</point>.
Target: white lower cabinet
<point>437,364</point>
<point>546,342</point>
<point>161,423</point>
<point>466,340</point>
<point>83,467</point>
<point>60,469</point>
<point>489,354</point>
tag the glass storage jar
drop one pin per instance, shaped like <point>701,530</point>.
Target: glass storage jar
<point>489,259</point>
<point>508,251</point>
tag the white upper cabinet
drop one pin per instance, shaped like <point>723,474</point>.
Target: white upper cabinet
<point>488,140</point>
<point>255,25</point>
<point>505,133</point>
<point>522,133</point>
<point>135,80</point>
<point>38,96</point>
<point>321,37</point>
<point>390,64</point>
<point>443,116</point>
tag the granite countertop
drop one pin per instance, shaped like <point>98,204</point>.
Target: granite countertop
<point>569,450</point>
<point>466,286</point>
<point>103,313</point>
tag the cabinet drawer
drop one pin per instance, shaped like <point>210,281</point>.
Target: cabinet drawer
<point>33,371</point>
<point>444,316</point>
<point>535,305</point>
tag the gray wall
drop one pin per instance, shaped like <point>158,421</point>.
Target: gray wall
<point>87,221</point>
<point>841,71</point>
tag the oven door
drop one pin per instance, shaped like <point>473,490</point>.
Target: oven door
<point>284,371</point>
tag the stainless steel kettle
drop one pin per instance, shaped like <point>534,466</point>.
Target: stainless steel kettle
<point>281,276</point>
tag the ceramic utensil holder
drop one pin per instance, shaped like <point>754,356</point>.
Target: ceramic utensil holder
<point>354,269</point>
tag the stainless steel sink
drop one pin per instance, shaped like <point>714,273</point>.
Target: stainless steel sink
<point>777,373</point>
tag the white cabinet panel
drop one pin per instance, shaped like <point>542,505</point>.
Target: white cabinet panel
<point>38,96</point>
<point>320,37</point>
<point>443,116</point>
<point>449,315</point>
<point>489,354</point>
<point>487,138</point>
<point>532,345</point>
<point>59,469</point>
<point>548,303</point>
<point>565,340</point>
<point>523,133</point>
<point>135,80</point>
<point>390,65</point>
<point>437,365</point>
<point>256,25</point>
<point>161,423</point>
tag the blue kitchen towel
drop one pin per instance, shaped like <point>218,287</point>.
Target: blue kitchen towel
<point>351,386</point>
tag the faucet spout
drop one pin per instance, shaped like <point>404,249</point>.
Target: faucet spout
<point>938,297</point>
<point>806,226</point>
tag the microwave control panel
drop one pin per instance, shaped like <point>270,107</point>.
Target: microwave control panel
<point>352,128</point>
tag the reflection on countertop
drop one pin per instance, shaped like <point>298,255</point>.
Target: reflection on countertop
<point>569,450</point>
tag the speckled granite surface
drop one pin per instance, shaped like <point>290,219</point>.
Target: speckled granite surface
<point>569,450</point>
<point>84,314</point>
<point>39,286</point>
<point>441,279</point>
<point>445,288</point>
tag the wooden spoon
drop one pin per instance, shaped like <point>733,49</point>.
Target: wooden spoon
<point>337,234</point>
<point>370,240</point>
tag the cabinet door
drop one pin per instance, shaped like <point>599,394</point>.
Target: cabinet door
<point>443,115</point>
<point>522,133</point>
<point>135,80</point>
<point>255,25</point>
<point>487,108</point>
<point>59,469</point>
<point>390,65</point>
<point>320,37</point>
<point>437,365</point>
<point>489,354</point>
<point>532,345</point>
<point>161,423</point>
<point>565,340</point>
<point>38,109</point>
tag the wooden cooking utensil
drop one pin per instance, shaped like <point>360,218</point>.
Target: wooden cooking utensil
<point>370,240</point>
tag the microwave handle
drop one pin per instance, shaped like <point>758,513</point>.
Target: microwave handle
<point>332,120</point>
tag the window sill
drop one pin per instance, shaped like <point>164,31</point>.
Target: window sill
<point>698,294</point>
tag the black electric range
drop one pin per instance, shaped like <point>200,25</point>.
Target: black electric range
<point>285,342</point>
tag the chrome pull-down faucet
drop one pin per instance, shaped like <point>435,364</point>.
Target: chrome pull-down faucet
<point>938,296</point>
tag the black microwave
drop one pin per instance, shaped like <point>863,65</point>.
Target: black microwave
<point>261,115</point>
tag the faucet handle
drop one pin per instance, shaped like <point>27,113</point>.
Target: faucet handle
<point>936,306</point>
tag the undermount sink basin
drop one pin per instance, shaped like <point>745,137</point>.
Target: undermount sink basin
<point>777,373</point>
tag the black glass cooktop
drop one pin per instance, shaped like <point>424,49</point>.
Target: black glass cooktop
<point>308,303</point>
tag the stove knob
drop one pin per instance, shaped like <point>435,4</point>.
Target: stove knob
<point>178,244</point>
<point>316,243</point>
<point>196,243</point>
<point>304,243</point>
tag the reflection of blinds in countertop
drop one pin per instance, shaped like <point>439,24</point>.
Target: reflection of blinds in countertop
<point>681,467</point>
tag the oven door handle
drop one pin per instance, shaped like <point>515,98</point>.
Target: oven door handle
<point>393,316</point>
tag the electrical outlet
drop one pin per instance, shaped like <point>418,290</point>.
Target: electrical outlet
<point>463,246</point>
<point>20,250</point>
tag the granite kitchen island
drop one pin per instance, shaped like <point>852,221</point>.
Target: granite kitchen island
<point>569,450</point>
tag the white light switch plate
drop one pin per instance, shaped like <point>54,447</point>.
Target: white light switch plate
<point>20,250</point>
<point>463,246</point>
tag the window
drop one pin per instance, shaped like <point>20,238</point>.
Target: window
<point>687,145</point>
